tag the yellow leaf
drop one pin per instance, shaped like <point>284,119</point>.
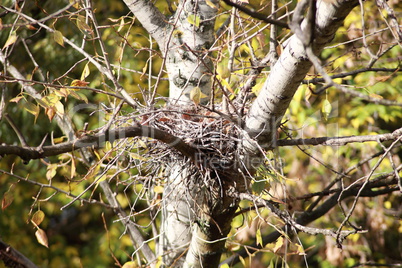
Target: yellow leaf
<point>51,171</point>
<point>259,237</point>
<point>376,96</point>
<point>11,40</point>
<point>158,189</point>
<point>58,140</point>
<point>196,95</point>
<point>130,264</point>
<point>75,4</point>
<point>16,99</point>
<point>278,244</point>
<point>85,72</point>
<point>58,37</point>
<point>300,249</point>
<point>41,237</point>
<point>326,109</point>
<point>32,108</point>
<point>73,169</point>
<point>121,25</point>
<point>38,217</point>
<point>194,20</point>
<point>59,108</point>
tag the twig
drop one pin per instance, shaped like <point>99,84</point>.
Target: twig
<point>58,190</point>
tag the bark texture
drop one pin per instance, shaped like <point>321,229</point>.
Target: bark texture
<point>268,109</point>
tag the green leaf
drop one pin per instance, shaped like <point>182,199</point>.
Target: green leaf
<point>58,37</point>
<point>259,237</point>
<point>326,109</point>
<point>194,20</point>
<point>38,217</point>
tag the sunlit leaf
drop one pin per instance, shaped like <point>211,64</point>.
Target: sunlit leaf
<point>258,237</point>
<point>58,37</point>
<point>158,189</point>
<point>376,96</point>
<point>278,244</point>
<point>32,108</point>
<point>194,20</point>
<point>16,99</point>
<point>7,199</point>
<point>300,249</point>
<point>85,73</point>
<point>130,264</point>
<point>73,169</point>
<point>38,217</point>
<point>50,112</point>
<point>75,4</point>
<point>59,108</point>
<point>11,40</point>
<point>41,237</point>
<point>51,171</point>
<point>196,95</point>
<point>326,109</point>
<point>121,25</point>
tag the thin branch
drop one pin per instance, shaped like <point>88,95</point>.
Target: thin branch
<point>338,141</point>
<point>354,72</point>
<point>257,15</point>
<point>57,190</point>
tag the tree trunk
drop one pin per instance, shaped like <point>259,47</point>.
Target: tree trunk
<point>197,207</point>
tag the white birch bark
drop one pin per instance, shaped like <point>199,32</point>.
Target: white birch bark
<point>187,231</point>
<point>292,66</point>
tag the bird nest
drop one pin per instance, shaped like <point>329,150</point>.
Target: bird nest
<point>214,135</point>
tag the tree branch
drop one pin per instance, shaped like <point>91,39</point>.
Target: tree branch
<point>292,66</point>
<point>338,141</point>
<point>13,258</point>
<point>257,15</point>
<point>96,141</point>
<point>309,216</point>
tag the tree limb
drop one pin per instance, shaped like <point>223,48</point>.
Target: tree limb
<point>13,258</point>
<point>338,141</point>
<point>292,66</point>
<point>96,141</point>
